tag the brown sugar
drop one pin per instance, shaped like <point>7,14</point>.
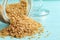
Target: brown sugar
<point>20,8</point>
<point>20,24</point>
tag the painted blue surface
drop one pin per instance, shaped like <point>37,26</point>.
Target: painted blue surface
<point>51,0</point>
<point>50,22</point>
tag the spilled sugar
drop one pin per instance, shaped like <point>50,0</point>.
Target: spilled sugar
<point>20,24</point>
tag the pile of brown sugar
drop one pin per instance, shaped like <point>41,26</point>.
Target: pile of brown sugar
<point>20,24</point>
